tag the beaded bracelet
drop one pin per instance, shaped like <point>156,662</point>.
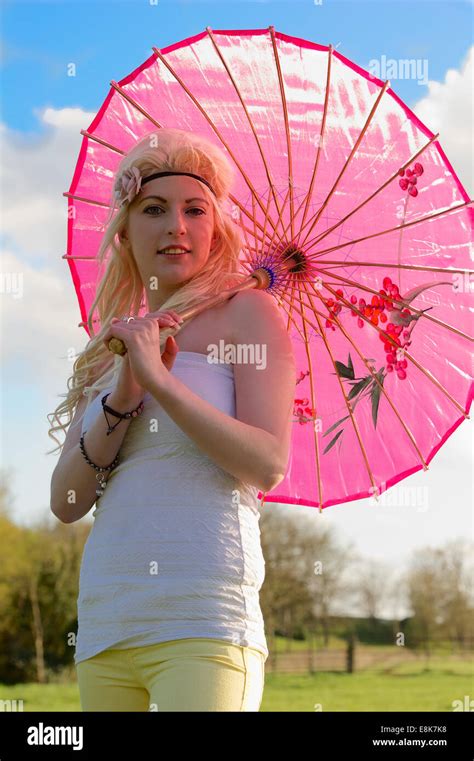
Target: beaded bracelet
<point>100,475</point>
<point>122,416</point>
<point>100,470</point>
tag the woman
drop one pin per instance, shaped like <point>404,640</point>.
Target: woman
<point>168,608</point>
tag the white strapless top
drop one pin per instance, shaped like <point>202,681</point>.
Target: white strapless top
<point>174,551</point>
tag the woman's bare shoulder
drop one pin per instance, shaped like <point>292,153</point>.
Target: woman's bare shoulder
<point>251,304</point>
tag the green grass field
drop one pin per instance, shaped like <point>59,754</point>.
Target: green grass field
<point>406,687</point>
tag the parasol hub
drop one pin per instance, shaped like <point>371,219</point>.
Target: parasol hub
<point>294,259</point>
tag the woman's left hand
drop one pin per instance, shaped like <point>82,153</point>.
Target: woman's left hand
<point>141,336</point>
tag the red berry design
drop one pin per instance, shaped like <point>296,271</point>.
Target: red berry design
<point>393,336</point>
<point>410,179</point>
<point>303,413</point>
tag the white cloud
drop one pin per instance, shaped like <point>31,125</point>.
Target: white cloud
<point>43,323</point>
<point>39,330</point>
<point>39,320</point>
<point>35,173</point>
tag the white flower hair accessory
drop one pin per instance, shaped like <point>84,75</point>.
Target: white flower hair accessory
<point>128,185</point>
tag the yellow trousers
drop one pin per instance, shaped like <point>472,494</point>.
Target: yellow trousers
<point>193,674</point>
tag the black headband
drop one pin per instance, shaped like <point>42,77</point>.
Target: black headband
<point>166,174</point>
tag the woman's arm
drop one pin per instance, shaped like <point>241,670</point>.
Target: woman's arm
<point>254,446</point>
<point>74,482</point>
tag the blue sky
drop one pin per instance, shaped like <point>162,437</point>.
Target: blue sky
<point>43,111</point>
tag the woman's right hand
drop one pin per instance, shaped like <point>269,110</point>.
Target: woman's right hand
<point>127,391</point>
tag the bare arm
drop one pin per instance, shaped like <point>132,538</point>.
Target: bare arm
<point>254,446</point>
<point>242,450</point>
<point>74,483</point>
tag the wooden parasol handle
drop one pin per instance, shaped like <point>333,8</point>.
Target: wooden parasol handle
<point>259,279</point>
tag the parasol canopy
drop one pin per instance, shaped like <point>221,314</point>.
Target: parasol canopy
<point>337,179</point>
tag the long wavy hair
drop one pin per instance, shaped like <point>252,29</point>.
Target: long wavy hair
<point>121,290</point>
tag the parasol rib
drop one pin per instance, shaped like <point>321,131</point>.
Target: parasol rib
<point>379,190</point>
<point>252,127</point>
<point>346,400</point>
<point>348,161</point>
<point>321,138</point>
<point>391,229</point>
<point>287,128</point>
<point>313,406</point>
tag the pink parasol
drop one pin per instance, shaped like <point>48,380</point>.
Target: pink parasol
<point>340,182</point>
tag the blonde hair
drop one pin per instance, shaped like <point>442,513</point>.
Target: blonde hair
<point>121,290</point>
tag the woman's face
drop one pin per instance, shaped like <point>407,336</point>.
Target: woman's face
<point>182,216</point>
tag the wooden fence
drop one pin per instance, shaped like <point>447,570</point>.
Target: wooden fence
<point>351,658</point>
